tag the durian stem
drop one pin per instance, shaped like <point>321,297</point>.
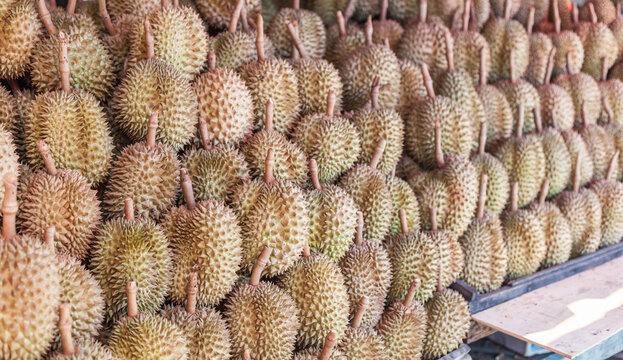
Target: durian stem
<point>606,105</point>
<point>538,122</point>
<point>341,24</point>
<point>331,100</point>
<point>575,13</point>
<point>556,16</point>
<point>449,51</point>
<point>191,294</point>
<point>63,62</point>
<point>543,192</point>
<point>329,344</point>
<point>507,10</point>
<point>550,66</point>
<point>349,10</point>
<point>530,23</point>
<point>246,355</point>
<point>375,92</point>
<point>296,40</point>
<point>456,15</point>
<point>268,115</point>
<point>482,80</point>
<point>313,170</point>
<point>235,15</point>
<point>53,3</point>
<point>48,161</point>
<point>384,6</point>
<point>176,3</point>
<point>466,14</point>
<point>103,12</point>
<point>152,127</point>
<point>269,167</point>
<point>368,31</point>
<point>385,42</point>
<point>260,264</point>
<point>611,166</point>
<point>511,66</point>
<point>378,153</point>
<point>9,206</point>
<point>584,115</point>
<point>203,132</point>
<point>423,11</point>
<point>130,290</point>
<point>14,85</point>
<point>361,309</point>
<point>413,289</point>
<point>165,4</point>
<point>187,189</point>
<point>428,81</point>
<point>71,7</point>
<point>49,235</point>
<point>259,40</point>
<point>244,19</point>
<point>149,41</point>
<point>569,63</point>
<point>591,8</point>
<point>604,69</point>
<point>306,252</point>
<point>404,226</point>
<point>576,174</point>
<point>520,121</point>
<point>359,232</point>
<point>296,4</point>
<point>482,196</point>
<point>128,209</point>
<point>64,328</point>
<point>211,61</point>
<point>514,197</point>
<point>433,218</point>
<point>482,137</point>
<point>439,158</point>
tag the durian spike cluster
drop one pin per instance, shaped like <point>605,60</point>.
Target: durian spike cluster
<point>278,179</point>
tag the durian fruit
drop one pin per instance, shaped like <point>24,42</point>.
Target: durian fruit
<point>583,89</point>
<point>225,104</point>
<point>557,109</point>
<point>86,348</point>
<point>611,97</point>
<point>412,87</point>
<point>599,43</point>
<point>385,28</point>
<point>499,7</point>
<point>327,9</point>
<point>205,328</point>
<point>144,336</point>
<point>216,13</point>
<point>154,85</point>
<point>603,9</point>
<point>407,168</point>
<point>525,161</point>
<point>498,187</point>
<point>361,343</point>
<point>566,42</point>
<point>206,239</point>
<point>366,185</point>
<point>145,171</point>
<point>30,292</point>
<point>331,217</point>
<point>403,326</point>
<point>63,199</point>
<point>583,210</point>
<point>367,272</point>
<point>327,352</point>
<point>271,212</point>
<point>348,38</point>
<point>316,285</point>
<point>290,160</point>
<point>610,194</point>
<point>19,36</point>
<point>558,163</point>
<point>9,161</point>
<point>506,37</point>
<point>616,27</point>
<point>360,68</point>
<point>379,123</point>
<point>404,198</point>
<point>579,152</point>
<point>540,12</point>
<point>483,247</point>
<point>540,47</point>
<point>311,31</point>
<point>525,239</point>
<point>255,309</point>
<point>600,145</point>
<point>72,124</point>
<point>214,171</point>
<point>115,37</point>
<point>119,8</point>
<point>468,46</point>
<point>271,78</point>
<point>131,249</point>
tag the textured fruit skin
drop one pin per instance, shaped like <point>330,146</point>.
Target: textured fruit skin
<point>341,46</point>
<point>612,91</point>
<point>216,172</point>
<point>577,147</point>
<point>610,194</point>
<point>313,353</point>
<point>367,272</point>
<point>498,111</point>
<point>315,79</point>
<point>485,253</point>
<point>503,36</point>
<point>206,241</point>
<point>148,337</point>
<point>131,251</point>
<point>567,42</point>
<point>236,49</point>
<point>600,145</point>
<point>218,13</point>
<point>86,349</point>
<point>154,85</point>
<point>556,105</point>
<point>498,186</point>
<point>116,8</point>
<point>583,210</point>
<point>29,298</point>
<point>375,125</point>
<point>541,11</point>
<point>362,343</point>
<point>540,47</point>
<point>19,34</point>
<point>467,45</point>
<point>310,29</point>
<point>368,189</point>
<point>558,165</point>
<point>358,71</point>
<point>225,104</point>
<point>583,89</point>
<point>403,329</point>
<point>448,320</point>
<point>253,313</point>
<point>273,79</point>
<point>9,162</point>
<point>617,30</point>
<point>403,197</point>
<point>523,93</point>
<point>387,29</point>
<point>557,231</point>
<point>599,43</point>
<point>424,43</point>
<point>272,215</point>
<point>65,201</point>
<point>407,168</point>
<point>316,285</point>
<point>525,242</point>
<point>23,99</point>
<point>75,129</point>
<point>148,176</point>
<point>411,86</point>
<point>605,11</point>
<point>206,331</point>
<point>117,45</point>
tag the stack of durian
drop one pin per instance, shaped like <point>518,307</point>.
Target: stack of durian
<point>267,180</point>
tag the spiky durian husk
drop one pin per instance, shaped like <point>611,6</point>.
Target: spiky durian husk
<point>558,165</point>
<point>310,28</point>
<point>367,272</point>
<point>23,99</point>
<point>131,251</point>
<point>498,186</point>
<point>154,85</point>
<point>205,329</point>
<point>315,79</point>
<point>467,45</point>
<point>29,297</point>
<point>403,197</point>
<point>75,129</point>
<point>19,35</point>
<point>599,44</point>
<point>540,47</point>
<point>9,162</point>
<point>577,147</point>
<point>290,160</point>
<point>375,125</point>
<point>497,7</point>
<point>583,211</point>
<point>338,47</point>
<point>407,168</point>
<point>216,172</point>
<point>274,215</point>
<point>313,353</point>
<point>334,142</point>
<point>117,8</point>
<point>610,194</point>
<point>424,43</point>
<point>65,201</point>
<point>541,10</point>
<point>253,313</point>
<point>332,221</point>
<point>498,111</point>
<point>521,93</point>
<point>85,349</point>
<point>77,22</point>
<point>9,112</point>
<point>557,231</point>
<point>358,71</point>
<point>235,49</point>
<point>118,45</point>
<point>218,13</point>
<point>368,189</point>
<point>604,9</point>
<point>411,86</point>
<point>612,91</point>
<point>503,36</point>
<point>448,320</point>
<point>600,145</point>
<point>387,29</point>
<point>148,337</point>
<point>582,89</point>
<point>403,329</point>
<point>525,242</point>
<point>148,176</point>
<point>556,105</point>
<point>617,30</point>
<point>363,343</point>
<point>567,42</point>
<point>403,10</point>
<point>273,79</point>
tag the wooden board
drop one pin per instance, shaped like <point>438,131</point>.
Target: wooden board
<point>569,317</point>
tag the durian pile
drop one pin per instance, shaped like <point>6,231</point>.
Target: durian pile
<point>267,180</point>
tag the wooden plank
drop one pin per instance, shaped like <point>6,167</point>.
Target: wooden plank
<point>478,331</point>
<point>569,317</point>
